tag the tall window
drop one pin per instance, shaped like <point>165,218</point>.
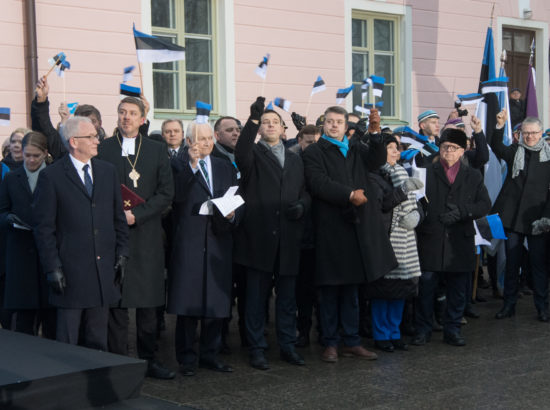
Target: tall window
<point>178,85</point>
<point>374,52</point>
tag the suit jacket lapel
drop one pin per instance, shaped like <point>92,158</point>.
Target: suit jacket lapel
<point>440,172</point>
<point>270,155</point>
<point>23,180</point>
<point>70,170</point>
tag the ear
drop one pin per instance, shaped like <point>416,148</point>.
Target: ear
<point>142,121</point>
<point>72,143</point>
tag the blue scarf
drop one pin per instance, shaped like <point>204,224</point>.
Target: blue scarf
<point>343,145</point>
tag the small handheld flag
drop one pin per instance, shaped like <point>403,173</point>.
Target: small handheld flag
<point>261,70</point>
<point>367,107</point>
<point>495,85</point>
<point>282,103</point>
<point>151,49</point>
<point>377,85</point>
<point>57,59</point>
<point>72,107</point>
<point>270,106</point>
<point>416,140</point>
<point>342,93</point>
<point>318,86</point>
<point>365,85</point>
<point>488,228</point>
<point>60,68</point>
<point>130,91</point>
<point>4,116</point>
<point>127,73</point>
<point>203,112</point>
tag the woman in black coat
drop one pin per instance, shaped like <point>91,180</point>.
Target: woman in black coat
<point>26,290</point>
<point>446,246</point>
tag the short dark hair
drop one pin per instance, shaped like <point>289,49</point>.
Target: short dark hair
<point>309,129</point>
<point>85,110</point>
<point>218,123</point>
<point>336,109</point>
<point>273,112</point>
<point>135,101</point>
<point>169,120</point>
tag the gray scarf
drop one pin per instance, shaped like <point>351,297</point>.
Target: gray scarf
<point>519,159</point>
<point>277,150</point>
<point>225,152</point>
<point>32,177</point>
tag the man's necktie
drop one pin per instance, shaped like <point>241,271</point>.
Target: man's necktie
<point>88,180</point>
<point>202,163</point>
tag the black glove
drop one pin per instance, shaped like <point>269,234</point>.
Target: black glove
<point>295,211</point>
<point>298,121</point>
<point>14,219</point>
<point>120,268</point>
<point>56,281</point>
<point>450,217</point>
<point>257,108</point>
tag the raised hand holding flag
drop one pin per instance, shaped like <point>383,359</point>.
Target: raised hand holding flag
<point>55,61</point>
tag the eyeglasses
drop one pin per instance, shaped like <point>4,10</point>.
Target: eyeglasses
<point>530,134</point>
<point>450,148</point>
<point>87,136</point>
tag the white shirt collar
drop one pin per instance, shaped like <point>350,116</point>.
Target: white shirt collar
<point>128,146</point>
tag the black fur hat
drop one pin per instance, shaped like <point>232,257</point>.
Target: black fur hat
<point>455,136</point>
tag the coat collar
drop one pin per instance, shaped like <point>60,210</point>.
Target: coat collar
<point>23,180</point>
<point>440,172</point>
<point>73,176</point>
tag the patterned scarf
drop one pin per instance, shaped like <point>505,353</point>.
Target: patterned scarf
<point>519,159</point>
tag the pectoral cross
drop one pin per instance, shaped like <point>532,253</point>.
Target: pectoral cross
<point>134,176</point>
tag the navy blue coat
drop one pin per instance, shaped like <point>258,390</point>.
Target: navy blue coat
<point>81,235</point>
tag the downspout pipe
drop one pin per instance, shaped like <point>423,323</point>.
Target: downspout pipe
<point>31,54</point>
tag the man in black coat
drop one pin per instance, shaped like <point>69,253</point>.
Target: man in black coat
<point>143,166</point>
<point>81,236</point>
<point>446,246</point>
<point>352,246</point>
<point>172,134</point>
<point>268,239</point>
<point>524,208</point>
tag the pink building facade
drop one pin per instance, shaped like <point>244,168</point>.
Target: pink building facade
<point>428,51</point>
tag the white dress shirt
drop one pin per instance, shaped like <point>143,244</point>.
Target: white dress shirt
<point>208,168</point>
<point>79,165</point>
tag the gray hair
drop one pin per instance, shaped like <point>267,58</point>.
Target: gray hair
<point>531,120</point>
<point>193,127</point>
<point>71,127</point>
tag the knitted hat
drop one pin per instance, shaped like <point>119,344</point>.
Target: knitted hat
<point>427,114</point>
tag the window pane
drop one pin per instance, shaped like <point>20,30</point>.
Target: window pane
<point>506,41</point>
<point>166,90</point>
<point>198,55</point>
<point>383,35</point>
<point>522,41</point>
<point>359,33</point>
<point>162,13</point>
<point>357,96</point>
<point>360,67</point>
<point>388,110</point>
<point>383,67</point>
<point>197,16</point>
<point>198,88</point>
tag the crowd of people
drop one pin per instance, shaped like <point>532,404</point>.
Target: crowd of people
<point>332,222</point>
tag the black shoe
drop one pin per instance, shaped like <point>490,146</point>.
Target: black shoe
<point>187,370</point>
<point>258,361</point>
<point>157,371</point>
<point>420,339</point>
<point>292,357</point>
<point>302,340</point>
<point>454,339</point>
<point>384,345</point>
<point>215,365</point>
<point>471,313</point>
<point>399,344</point>
<point>543,316</point>
<point>506,311</point>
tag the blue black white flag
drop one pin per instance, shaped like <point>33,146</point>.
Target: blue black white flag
<point>282,103</point>
<point>203,112</point>
<point>367,107</point>
<point>365,85</point>
<point>72,107</point>
<point>60,68</point>
<point>377,85</point>
<point>151,49</point>
<point>4,116</point>
<point>417,141</point>
<point>488,228</point>
<point>342,93</point>
<point>57,59</point>
<point>270,106</point>
<point>130,91</point>
<point>261,70</point>
<point>318,86</point>
<point>127,73</point>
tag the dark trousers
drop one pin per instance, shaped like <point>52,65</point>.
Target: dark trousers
<point>306,297</point>
<point>538,257</point>
<point>6,315</point>
<point>209,342</point>
<point>94,326</point>
<point>386,318</point>
<point>146,325</point>
<point>29,321</point>
<point>456,288</point>
<point>239,296</point>
<point>258,287</point>
<point>339,307</point>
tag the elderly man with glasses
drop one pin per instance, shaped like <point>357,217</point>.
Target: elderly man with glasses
<point>524,207</point>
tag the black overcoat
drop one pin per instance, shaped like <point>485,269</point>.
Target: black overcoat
<point>352,245</point>
<point>451,248</point>
<point>81,235</point>
<point>268,190</point>
<point>200,270</point>
<point>144,281</point>
<point>26,286</point>
<point>526,198</point>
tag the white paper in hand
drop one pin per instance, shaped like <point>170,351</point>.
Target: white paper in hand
<point>419,173</point>
<point>225,204</point>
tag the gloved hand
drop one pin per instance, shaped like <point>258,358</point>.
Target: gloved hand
<point>120,269</point>
<point>295,211</point>
<point>541,225</point>
<point>298,121</point>
<point>374,121</point>
<point>257,108</point>
<point>410,220</point>
<point>14,219</point>
<point>411,184</point>
<point>56,281</point>
<point>358,197</point>
<point>450,217</point>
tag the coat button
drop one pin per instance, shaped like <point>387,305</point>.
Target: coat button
<point>277,213</point>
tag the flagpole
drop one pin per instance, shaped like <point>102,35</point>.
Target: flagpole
<point>263,88</point>
<point>64,89</point>
<point>140,77</point>
<point>307,107</point>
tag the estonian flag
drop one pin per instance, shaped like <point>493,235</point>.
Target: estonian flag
<point>261,70</point>
<point>203,112</point>
<point>377,85</point>
<point>342,94</point>
<point>417,141</point>
<point>318,86</point>
<point>488,228</point>
<point>72,107</point>
<point>151,49</point>
<point>367,107</point>
<point>60,69</point>
<point>4,116</point>
<point>270,106</point>
<point>57,59</point>
<point>130,91</point>
<point>127,73</point>
<point>469,99</point>
<point>495,85</point>
<point>282,103</point>
<point>367,83</point>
